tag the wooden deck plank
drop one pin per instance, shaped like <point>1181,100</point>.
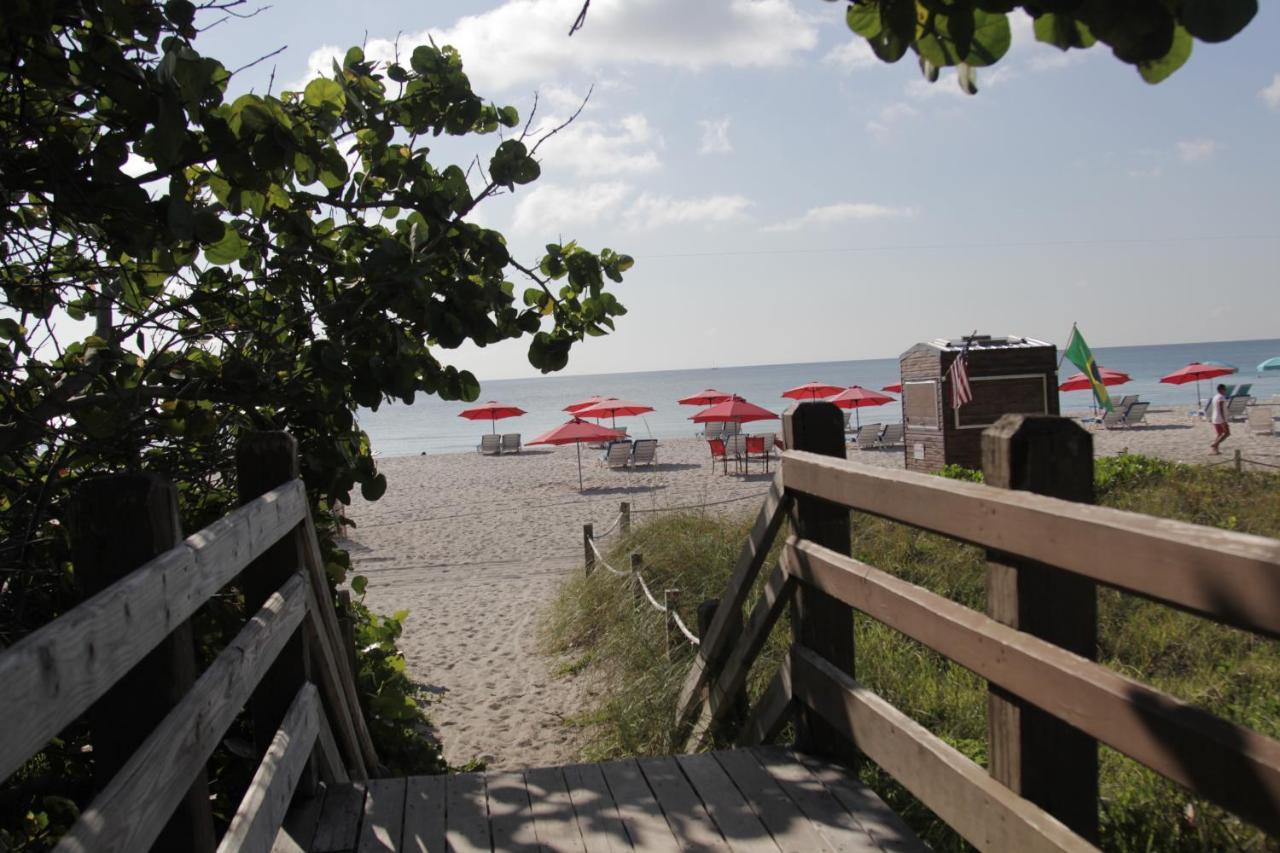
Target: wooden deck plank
<point>340,820</point>
<point>732,814</point>
<point>467,814</point>
<point>601,823</point>
<point>299,828</point>
<point>791,830</point>
<point>882,823</point>
<point>685,813</point>
<point>646,824</point>
<point>554,821</point>
<point>424,824</point>
<point>383,823</point>
<point>510,818</point>
<point>831,819</point>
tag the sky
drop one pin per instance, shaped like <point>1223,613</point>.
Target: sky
<point>789,198</point>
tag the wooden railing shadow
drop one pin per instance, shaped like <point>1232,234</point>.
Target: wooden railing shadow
<point>125,660</point>
<point>1050,703</point>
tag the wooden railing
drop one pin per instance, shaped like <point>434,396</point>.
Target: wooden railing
<point>1049,703</point>
<point>124,660</point>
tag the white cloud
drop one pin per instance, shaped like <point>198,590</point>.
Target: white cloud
<point>715,136</point>
<point>947,86</point>
<point>1196,150</point>
<point>524,41</point>
<point>650,211</point>
<point>851,55</point>
<point>549,206</point>
<point>835,214</point>
<point>883,123</point>
<point>1148,172</point>
<point>592,149</point>
<point>1271,94</point>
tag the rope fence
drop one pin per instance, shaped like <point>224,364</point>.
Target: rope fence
<point>1239,460</point>
<point>595,557</point>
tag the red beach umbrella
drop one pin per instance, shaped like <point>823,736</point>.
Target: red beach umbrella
<point>576,431</point>
<point>734,409</point>
<point>709,397</point>
<point>612,408</point>
<point>1080,382</point>
<point>812,390</point>
<point>1194,372</point>
<point>584,404</point>
<point>855,397</point>
<point>895,388</point>
<point>491,412</point>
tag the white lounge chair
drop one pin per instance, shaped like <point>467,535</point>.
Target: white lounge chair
<point>618,454</point>
<point>511,442</point>
<point>712,429</point>
<point>867,436</point>
<point>490,445</point>
<point>1262,420</point>
<point>732,427</point>
<point>1238,408</point>
<point>644,452</point>
<point>1135,414</point>
<point>735,448</point>
<point>893,434</point>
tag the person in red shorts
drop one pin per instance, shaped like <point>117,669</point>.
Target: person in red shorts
<point>1218,417</point>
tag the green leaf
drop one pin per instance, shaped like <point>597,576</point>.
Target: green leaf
<point>375,488</point>
<point>991,39</point>
<point>1156,70</point>
<point>359,584</point>
<point>864,18</point>
<point>1217,20</point>
<point>324,94</point>
<point>1062,31</point>
<point>229,249</point>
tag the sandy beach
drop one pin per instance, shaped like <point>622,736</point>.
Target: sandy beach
<point>475,547</point>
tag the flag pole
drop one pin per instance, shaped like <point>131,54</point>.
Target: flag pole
<point>1068,346</point>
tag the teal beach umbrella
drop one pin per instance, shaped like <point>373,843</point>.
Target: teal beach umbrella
<point>1270,365</point>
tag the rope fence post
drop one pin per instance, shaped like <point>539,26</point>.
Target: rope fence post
<point>637,565</point>
<point>1239,461</point>
<point>625,511</point>
<point>589,557</point>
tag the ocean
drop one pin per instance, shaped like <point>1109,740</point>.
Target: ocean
<point>432,425</point>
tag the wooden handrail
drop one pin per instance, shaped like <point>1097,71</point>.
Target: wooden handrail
<point>1226,576</point>
<point>1230,764</point>
<point>56,672</point>
<point>130,812</point>
<point>987,814</point>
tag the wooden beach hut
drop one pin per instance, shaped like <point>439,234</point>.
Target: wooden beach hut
<point>1007,375</point>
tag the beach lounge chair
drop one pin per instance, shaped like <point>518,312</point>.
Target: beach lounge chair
<point>893,434</point>
<point>511,442</point>
<point>1238,408</point>
<point>759,448</point>
<point>719,451</point>
<point>1242,391</point>
<point>867,436</point>
<point>735,448</point>
<point>1125,402</point>
<point>490,445</point>
<point>848,427</point>
<point>1135,414</point>
<point>618,454</point>
<point>1230,391</point>
<point>644,452</point>
<point>712,429</point>
<point>732,428</point>
<point>1262,420</point>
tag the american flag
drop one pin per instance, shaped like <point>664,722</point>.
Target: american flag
<point>961,393</point>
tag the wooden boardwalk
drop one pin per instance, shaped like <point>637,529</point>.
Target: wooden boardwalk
<point>758,799</point>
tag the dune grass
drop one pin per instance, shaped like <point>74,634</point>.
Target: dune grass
<point>610,637</point>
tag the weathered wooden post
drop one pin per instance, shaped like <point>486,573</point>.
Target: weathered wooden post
<point>625,510</point>
<point>117,524</point>
<point>588,554</point>
<point>727,730</point>
<point>1239,461</point>
<point>346,624</point>
<point>637,566</point>
<point>819,621</point>
<point>1034,753</point>
<point>265,460</point>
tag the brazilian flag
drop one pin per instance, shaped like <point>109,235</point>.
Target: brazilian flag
<point>1081,356</point>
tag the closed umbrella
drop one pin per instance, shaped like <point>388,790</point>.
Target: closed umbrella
<point>1194,372</point>
<point>612,409</point>
<point>707,397</point>
<point>856,397</point>
<point>1269,365</point>
<point>734,409</point>
<point>491,412</point>
<point>576,431</point>
<point>812,391</point>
